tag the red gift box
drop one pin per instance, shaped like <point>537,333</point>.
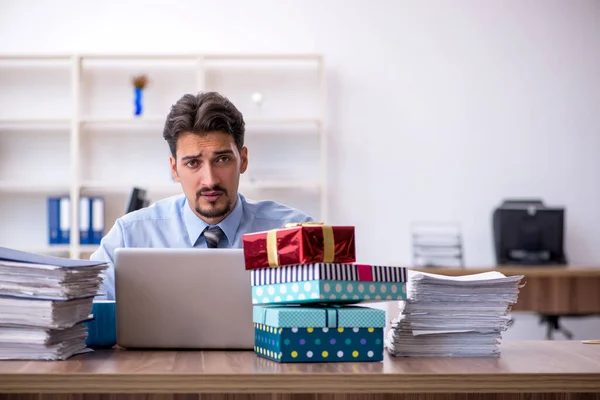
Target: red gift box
<point>300,243</point>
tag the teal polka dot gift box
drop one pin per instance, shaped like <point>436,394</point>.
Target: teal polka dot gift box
<point>309,333</point>
<point>334,283</point>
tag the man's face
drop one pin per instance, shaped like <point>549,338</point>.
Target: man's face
<point>208,166</point>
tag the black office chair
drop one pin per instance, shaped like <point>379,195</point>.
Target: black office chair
<point>553,324</point>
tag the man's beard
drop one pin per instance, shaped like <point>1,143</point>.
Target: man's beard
<point>213,212</point>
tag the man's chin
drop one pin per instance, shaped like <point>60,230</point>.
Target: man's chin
<point>212,210</point>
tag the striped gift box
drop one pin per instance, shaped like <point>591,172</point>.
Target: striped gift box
<point>328,272</point>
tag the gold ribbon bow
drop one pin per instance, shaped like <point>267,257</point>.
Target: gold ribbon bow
<point>308,223</point>
<point>328,242</point>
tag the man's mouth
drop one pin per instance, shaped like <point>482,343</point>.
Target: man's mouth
<point>211,196</point>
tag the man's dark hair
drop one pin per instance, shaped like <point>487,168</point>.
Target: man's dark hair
<point>203,113</point>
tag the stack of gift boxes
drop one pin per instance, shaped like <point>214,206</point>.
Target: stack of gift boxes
<point>306,285</point>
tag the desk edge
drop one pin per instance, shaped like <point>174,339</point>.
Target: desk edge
<point>298,383</point>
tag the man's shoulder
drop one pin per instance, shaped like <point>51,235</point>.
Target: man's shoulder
<point>164,209</point>
<point>269,211</point>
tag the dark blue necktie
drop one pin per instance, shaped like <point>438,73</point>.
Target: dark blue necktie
<point>212,236</point>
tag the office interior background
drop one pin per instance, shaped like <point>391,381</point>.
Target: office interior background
<point>432,111</point>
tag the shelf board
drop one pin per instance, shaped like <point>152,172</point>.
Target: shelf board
<point>33,188</point>
<point>141,56</point>
<point>48,250</point>
<point>280,185</point>
<point>112,187</point>
<point>123,120</point>
<point>157,118</point>
<point>43,57</point>
<point>35,61</point>
<point>88,248</point>
<point>37,123</point>
<point>283,121</point>
<point>251,123</point>
<point>139,125</point>
<point>175,188</point>
<point>256,127</point>
<point>252,57</point>
<point>162,56</point>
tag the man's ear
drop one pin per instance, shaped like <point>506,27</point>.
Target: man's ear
<point>244,155</point>
<point>173,162</point>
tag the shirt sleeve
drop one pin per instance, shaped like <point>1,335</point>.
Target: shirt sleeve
<point>307,218</point>
<point>106,252</point>
<point>298,216</point>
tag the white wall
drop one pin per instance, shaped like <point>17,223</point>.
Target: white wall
<point>437,109</point>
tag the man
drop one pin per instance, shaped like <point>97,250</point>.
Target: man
<point>205,133</point>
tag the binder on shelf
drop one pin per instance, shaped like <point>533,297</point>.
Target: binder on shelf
<point>64,218</point>
<point>97,221</point>
<point>85,217</point>
<point>53,220</point>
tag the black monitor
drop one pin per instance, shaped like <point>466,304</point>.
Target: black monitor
<point>528,232</point>
<point>137,200</point>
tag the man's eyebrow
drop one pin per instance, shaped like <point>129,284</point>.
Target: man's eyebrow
<point>199,155</point>
<point>221,152</point>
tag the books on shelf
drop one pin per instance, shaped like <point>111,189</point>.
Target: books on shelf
<point>446,316</point>
<point>91,220</point>
<point>44,302</point>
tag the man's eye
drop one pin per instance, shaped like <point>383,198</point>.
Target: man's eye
<point>192,163</point>
<point>223,159</point>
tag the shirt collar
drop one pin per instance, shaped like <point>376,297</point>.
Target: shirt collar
<point>195,225</point>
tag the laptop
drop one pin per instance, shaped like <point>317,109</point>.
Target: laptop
<point>183,299</point>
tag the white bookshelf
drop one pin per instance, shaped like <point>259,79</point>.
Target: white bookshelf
<point>33,188</point>
<point>55,250</point>
<point>67,128</point>
<point>311,125</point>
<point>39,123</point>
<point>129,121</point>
<point>174,188</point>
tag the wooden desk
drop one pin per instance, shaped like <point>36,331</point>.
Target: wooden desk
<point>532,370</point>
<point>548,290</point>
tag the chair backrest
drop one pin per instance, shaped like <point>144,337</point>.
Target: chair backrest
<point>437,244</point>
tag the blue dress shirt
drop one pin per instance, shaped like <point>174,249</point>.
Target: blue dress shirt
<point>171,223</point>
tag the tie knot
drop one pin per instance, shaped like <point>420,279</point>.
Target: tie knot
<point>213,235</point>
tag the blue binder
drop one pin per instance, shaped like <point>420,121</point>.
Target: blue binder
<point>53,220</point>
<point>64,218</point>
<point>85,220</point>
<point>97,219</point>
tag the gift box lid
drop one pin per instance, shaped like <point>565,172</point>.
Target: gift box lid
<point>328,271</point>
<point>298,243</point>
<point>318,317</point>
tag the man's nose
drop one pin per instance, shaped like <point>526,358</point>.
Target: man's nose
<point>209,177</point>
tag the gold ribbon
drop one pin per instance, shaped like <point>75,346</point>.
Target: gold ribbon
<point>308,223</point>
<point>272,248</point>
<point>328,242</point>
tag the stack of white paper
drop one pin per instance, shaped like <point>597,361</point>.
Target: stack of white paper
<point>461,316</point>
<point>43,304</point>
